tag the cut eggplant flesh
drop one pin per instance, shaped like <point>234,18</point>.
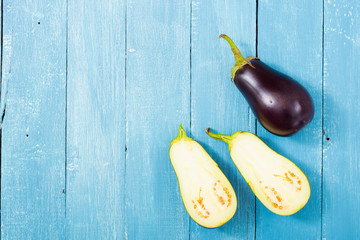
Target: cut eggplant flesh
<point>207,194</point>
<point>276,181</point>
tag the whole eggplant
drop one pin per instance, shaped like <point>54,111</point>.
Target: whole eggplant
<point>280,104</point>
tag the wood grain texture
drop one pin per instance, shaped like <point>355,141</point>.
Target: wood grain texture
<point>33,134</point>
<point>95,120</point>
<point>216,102</point>
<point>341,201</point>
<point>157,101</point>
<point>290,40</point>
<point>6,48</point>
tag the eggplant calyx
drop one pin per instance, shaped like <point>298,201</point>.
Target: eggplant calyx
<point>240,61</point>
<point>182,132</point>
<point>225,138</point>
<point>236,67</point>
<point>181,135</point>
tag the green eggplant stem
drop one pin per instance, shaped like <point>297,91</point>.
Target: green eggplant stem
<point>240,61</point>
<point>221,137</point>
<point>182,132</point>
<point>237,54</point>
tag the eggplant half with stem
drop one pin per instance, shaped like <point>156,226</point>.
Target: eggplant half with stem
<point>281,105</point>
<point>276,181</point>
<point>207,194</point>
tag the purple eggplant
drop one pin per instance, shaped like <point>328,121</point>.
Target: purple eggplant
<point>281,105</point>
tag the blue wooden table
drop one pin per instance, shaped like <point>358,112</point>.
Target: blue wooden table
<point>95,91</point>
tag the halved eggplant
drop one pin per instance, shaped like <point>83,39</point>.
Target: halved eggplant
<point>276,181</point>
<point>207,194</point>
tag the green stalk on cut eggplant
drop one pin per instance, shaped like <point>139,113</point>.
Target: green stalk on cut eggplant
<point>207,194</point>
<point>276,181</point>
<point>281,104</point>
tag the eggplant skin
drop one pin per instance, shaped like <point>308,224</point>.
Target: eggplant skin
<point>281,105</point>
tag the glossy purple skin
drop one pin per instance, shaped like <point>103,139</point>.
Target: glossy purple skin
<point>279,103</point>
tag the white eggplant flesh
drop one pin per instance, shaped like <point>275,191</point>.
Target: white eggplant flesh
<point>276,181</point>
<point>207,194</point>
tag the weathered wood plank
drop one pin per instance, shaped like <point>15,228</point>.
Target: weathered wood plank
<point>290,40</point>
<point>157,101</point>
<point>216,102</point>
<point>95,120</point>
<point>33,134</point>
<point>341,196</point>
